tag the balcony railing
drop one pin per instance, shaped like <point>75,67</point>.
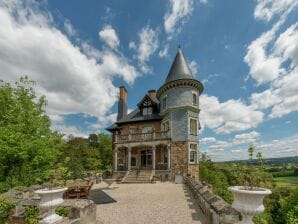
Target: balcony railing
<point>152,136</point>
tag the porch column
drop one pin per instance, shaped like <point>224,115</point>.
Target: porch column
<point>169,156</point>
<point>129,159</point>
<point>115,160</point>
<point>153,157</point>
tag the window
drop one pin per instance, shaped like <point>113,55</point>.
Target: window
<point>193,126</point>
<point>133,161</point>
<point>194,99</point>
<point>132,130</point>
<point>147,110</point>
<point>193,153</point>
<point>164,103</point>
<point>165,126</point>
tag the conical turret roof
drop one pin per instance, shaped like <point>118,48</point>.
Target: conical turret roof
<point>179,68</point>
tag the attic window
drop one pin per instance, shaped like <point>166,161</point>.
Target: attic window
<point>147,110</point>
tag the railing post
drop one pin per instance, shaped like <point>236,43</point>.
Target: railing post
<point>154,135</point>
<point>129,137</point>
<point>115,160</point>
<point>129,159</point>
<point>169,156</point>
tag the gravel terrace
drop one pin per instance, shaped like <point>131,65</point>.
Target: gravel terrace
<point>149,203</point>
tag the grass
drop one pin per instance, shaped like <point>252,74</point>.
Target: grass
<point>290,181</point>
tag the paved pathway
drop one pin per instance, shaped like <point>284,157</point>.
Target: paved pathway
<point>149,203</point>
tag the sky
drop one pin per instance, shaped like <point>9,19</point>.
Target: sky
<point>244,52</point>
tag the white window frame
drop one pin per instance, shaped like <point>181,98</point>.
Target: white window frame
<point>147,111</point>
<point>197,125</point>
<point>193,150</point>
<point>162,125</point>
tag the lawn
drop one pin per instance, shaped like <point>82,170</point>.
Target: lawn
<point>290,181</point>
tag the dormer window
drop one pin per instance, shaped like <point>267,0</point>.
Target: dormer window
<point>194,98</point>
<point>147,110</point>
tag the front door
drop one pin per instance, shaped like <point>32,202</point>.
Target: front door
<point>146,159</point>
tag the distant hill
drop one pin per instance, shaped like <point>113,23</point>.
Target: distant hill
<point>282,160</point>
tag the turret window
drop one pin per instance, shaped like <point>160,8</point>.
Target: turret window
<point>194,99</point>
<point>193,126</point>
<point>164,103</point>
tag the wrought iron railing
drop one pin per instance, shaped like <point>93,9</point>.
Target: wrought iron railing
<point>142,137</point>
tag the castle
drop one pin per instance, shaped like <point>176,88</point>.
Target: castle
<point>161,134</point>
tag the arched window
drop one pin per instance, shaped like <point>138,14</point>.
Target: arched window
<point>194,99</point>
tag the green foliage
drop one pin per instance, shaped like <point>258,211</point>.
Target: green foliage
<point>28,147</point>
<point>62,211</point>
<point>6,205</point>
<point>31,214</point>
<point>251,151</point>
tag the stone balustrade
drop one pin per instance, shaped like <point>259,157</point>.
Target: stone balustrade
<point>216,210</point>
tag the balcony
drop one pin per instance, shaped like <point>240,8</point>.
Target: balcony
<point>152,136</point>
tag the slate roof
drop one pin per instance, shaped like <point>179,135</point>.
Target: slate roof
<point>137,116</point>
<point>179,69</point>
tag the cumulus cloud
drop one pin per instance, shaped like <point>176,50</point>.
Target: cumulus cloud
<point>207,140</point>
<point>246,137</point>
<point>69,28</point>
<point>194,67</point>
<point>72,81</point>
<point>267,9</point>
<point>147,46</point>
<point>273,58</point>
<point>109,36</point>
<point>229,116</point>
<point>179,12</point>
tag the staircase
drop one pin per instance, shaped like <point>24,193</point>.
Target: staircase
<point>134,176</point>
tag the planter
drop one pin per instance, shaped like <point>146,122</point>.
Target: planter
<point>248,201</point>
<point>110,182</point>
<point>49,200</point>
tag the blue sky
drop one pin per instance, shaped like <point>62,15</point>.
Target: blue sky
<point>245,53</point>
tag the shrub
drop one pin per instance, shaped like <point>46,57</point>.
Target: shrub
<point>62,211</point>
<point>6,205</point>
<point>31,214</point>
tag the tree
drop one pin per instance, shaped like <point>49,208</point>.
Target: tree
<point>28,147</point>
<point>260,157</point>
<point>251,151</point>
<point>105,149</point>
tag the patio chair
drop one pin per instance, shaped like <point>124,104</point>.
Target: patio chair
<point>72,192</point>
<point>85,191</point>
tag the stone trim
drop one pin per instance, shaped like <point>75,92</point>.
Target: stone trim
<point>216,210</point>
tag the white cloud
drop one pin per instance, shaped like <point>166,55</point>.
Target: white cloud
<point>194,67</point>
<point>69,28</point>
<point>246,138</point>
<point>164,52</point>
<point>72,81</point>
<point>229,116</point>
<point>179,11</point>
<point>282,94</point>
<point>148,44</point>
<point>267,9</point>
<point>204,1</point>
<point>109,36</point>
<point>207,140</point>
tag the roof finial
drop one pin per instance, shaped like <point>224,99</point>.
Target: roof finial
<point>179,47</point>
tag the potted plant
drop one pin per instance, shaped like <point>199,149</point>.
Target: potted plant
<point>52,195</point>
<point>248,199</point>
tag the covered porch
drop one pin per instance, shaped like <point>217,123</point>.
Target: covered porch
<point>142,157</point>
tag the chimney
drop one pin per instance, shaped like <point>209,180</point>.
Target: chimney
<point>152,93</point>
<point>122,103</point>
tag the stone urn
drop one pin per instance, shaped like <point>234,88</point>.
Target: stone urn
<point>248,201</point>
<point>49,200</point>
<point>109,182</point>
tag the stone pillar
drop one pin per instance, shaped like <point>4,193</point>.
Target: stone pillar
<point>153,157</point>
<point>115,160</point>
<point>169,156</point>
<point>129,159</point>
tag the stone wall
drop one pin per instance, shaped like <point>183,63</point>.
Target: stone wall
<point>179,157</point>
<point>216,210</point>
